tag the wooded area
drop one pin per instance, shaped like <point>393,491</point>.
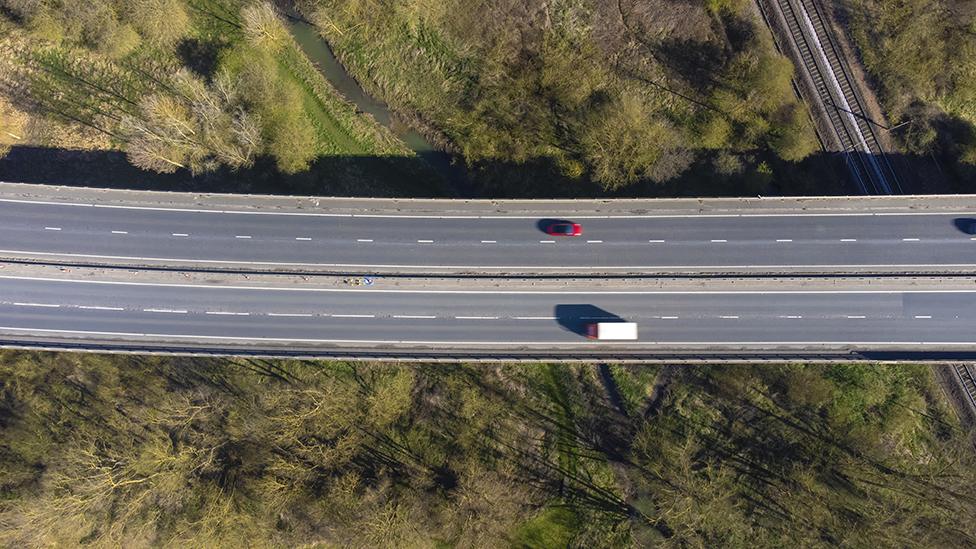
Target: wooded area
<point>574,90</point>
<point>921,55</point>
<point>110,450</point>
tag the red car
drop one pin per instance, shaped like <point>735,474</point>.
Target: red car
<point>564,229</point>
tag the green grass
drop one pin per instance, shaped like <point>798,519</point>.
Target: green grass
<point>634,383</point>
<point>552,528</point>
<point>340,128</point>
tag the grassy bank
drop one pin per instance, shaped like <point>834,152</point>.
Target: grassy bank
<point>191,88</point>
<point>150,451</point>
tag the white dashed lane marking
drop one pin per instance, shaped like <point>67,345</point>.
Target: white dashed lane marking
<point>923,316</point>
<point>414,316</point>
<point>180,234</point>
<point>784,240</point>
<point>476,317</point>
<point>243,236</point>
<point>425,242</point>
<point>291,314</point>
<point>594,242</point>
<point>719,240</point>
<point>489,242</point>
<point>848,240</point>
<point>174,311</point>
<point>100,308</point>
<point>120,232</point>
<point>655,241</point>
<point>364,240</point>
<point>51,305</point>
<point>52,228</point>
<point>910,240</point>
<point>303,238</point>
<point>353,316</point>
<point>226,313</point>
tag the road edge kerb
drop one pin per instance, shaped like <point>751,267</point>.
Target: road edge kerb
<point>719,356</point>
<point>598,207</point>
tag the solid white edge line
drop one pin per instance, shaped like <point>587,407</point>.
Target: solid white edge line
<point>533,268</point>
<point>541,214</point>
<point>734,344</point>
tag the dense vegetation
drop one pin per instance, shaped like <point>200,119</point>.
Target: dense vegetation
<point>922,57</point>
<point>580,90</point>
<point>179,85</point>
<point>138,451</point>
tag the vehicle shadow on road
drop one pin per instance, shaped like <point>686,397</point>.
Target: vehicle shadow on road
<point>544,224</point>
<point>576,317</point>
<point>965,224</point>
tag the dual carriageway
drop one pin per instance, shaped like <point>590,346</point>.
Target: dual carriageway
<point>785,278</point>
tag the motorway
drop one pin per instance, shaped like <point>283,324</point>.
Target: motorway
<point>68,309</point>
<point>404,242</point>
<point>252,274</point>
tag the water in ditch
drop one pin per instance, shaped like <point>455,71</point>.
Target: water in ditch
<point>319,52</point>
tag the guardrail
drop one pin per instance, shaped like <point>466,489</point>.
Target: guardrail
<point>611,355</point>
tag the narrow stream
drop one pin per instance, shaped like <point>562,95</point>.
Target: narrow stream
<point>318,50</point>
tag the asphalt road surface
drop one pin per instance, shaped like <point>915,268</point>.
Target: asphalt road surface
<point>430,243</point>
<point>64,309</point>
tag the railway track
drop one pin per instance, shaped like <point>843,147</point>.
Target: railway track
<point>966,375</point>
<point>852,131</point>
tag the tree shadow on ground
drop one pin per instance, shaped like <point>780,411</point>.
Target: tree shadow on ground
<point>711,174</point>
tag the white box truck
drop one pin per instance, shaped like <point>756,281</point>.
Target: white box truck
<point>612,331</point>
